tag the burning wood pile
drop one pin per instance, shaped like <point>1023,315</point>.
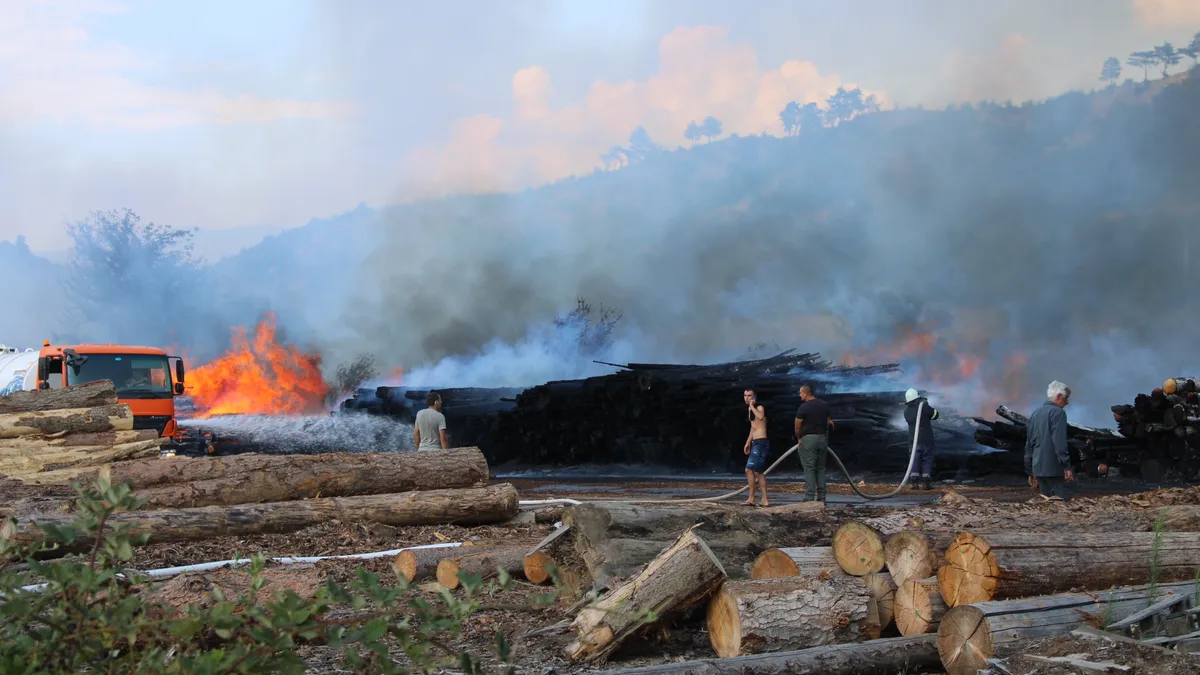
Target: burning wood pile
<point>681,415</point>
<point>199,498</point>
<point>1159,432</point>
<point>866,603</point>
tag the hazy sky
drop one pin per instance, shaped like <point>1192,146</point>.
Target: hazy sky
<point>222,114</point>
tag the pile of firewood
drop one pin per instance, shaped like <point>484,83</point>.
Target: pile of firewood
<point>50,435</point>
<point>864,604</point>
<point>1159,432</point>
<point>198,498</point>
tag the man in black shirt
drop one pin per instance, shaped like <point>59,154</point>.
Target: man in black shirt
<point>812,424</point>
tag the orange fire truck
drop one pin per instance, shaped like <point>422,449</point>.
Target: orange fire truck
<point>146,378</point>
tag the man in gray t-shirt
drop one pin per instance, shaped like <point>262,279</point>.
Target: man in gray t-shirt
<point>429,429</point>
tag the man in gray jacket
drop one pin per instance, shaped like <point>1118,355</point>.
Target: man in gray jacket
<point>1047,460</point>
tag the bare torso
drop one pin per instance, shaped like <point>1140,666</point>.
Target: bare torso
<point>758,421</point>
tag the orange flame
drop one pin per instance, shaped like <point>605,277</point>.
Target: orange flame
<point>262,377</point>
<point>976,386</point>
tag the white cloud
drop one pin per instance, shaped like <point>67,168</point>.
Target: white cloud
<point>701,72</point>
<point>1167,13</point>
<point>52,70</point>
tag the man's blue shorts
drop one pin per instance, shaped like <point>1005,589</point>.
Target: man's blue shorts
<point>757,461</point>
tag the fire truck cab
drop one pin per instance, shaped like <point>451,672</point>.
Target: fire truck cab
<point>144,378</point>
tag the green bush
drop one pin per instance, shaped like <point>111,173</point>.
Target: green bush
<point>94,616</point>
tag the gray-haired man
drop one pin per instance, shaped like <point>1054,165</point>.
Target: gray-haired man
<point>1047,459</point>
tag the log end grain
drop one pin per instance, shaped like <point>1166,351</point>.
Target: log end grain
<point>907,557</point>
<point>919,607</point>
<point>536,567</point>
<point>859,549</point>
<point>970,573</point>
<point>724,624</point>
<point>406,564</point>
<point>883,588</point>
<point>964,641</point>
<point>447,573</point>
<point>773,563</point>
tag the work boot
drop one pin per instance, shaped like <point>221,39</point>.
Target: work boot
<point>928,483</point>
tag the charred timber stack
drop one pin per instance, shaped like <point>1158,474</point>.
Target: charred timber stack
<point>1159,432</point>
<point>675,415</point>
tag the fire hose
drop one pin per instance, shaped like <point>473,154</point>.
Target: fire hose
<point>912,456</point>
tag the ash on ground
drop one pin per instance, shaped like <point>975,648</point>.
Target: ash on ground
<point>306,435</point>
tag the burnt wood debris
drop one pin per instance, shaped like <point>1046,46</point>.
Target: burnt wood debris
<point>1158,435</point>
<point>688,416</point>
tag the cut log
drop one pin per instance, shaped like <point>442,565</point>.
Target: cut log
<point>775,563</point>
<point>915,555</point>
<point>1180,385</point>
<point>61,465</point>
<point>461,506</point>
<point>788,613</point>
<point>1021,564</point>
<point>537,567</point>
<point>969,634</point>
<point>919,607</point>
<point>253,478</point>
<point>684,574</point>
<point>858,548</point>
<point>421,564</point>
<point>614,540</point>
<point>883,589</point>
<point>87,395</point>
<point>66,421</point>
<point>876,657</point>
<point>485,564</point>
<point>92,439</point>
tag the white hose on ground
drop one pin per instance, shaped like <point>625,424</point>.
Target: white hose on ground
<point>912,456</point>
<point>165,572</point>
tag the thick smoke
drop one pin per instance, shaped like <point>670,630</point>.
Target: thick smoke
<point>1048,241</point>
<point>1053,237</point>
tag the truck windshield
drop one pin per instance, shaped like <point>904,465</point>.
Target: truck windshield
<point>135,375</point>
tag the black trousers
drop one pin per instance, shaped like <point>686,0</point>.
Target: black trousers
<point>1053,486</point>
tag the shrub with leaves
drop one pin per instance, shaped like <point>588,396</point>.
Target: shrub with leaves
<point>93,615</point>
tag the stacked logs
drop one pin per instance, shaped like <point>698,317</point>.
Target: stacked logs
<point>870,603</point>
<point>49,435</point>
<point>185,499</point>
<point>679,415</point>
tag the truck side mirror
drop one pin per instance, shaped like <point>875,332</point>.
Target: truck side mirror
<point>179,370</point>
<point>43,369</point>
<point>179,389</point>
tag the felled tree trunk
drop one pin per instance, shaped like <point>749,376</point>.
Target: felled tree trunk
<point>876,657</point>
<point>88,395</point>
<point>858,548</point>
<point>919,607</point>
<point>1182,518</point>
<point>774,563</point>
<point>683,575</point>
<point>485,564</point>
<point>66,421</point>
<point>252,478</point>
<point>969,634</point>
<point>461,506</point>
<point>819,562</point>
<point>1022,564</point>
<point>421,564</point>
<point>614,540</point>
<point>788,613</point>
<point>915,555</point>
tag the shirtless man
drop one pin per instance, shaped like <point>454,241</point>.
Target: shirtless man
<point>757,446</point>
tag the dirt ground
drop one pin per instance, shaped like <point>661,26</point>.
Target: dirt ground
<point>1003,507</point>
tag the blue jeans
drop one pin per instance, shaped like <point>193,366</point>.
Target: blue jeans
<point>757,461</point>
